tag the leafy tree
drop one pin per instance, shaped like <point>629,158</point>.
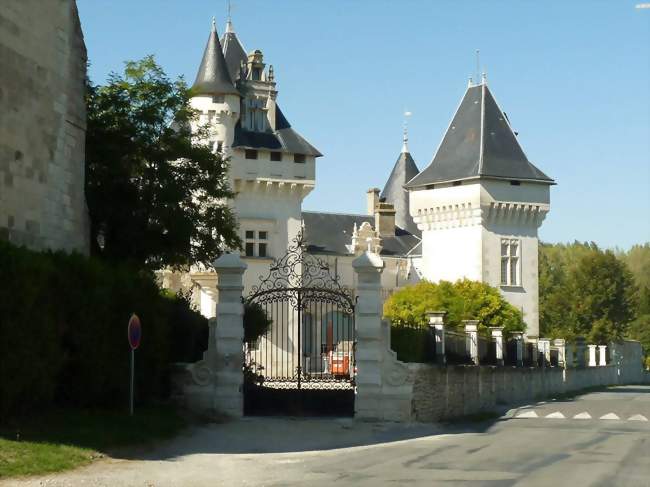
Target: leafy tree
<point>584,291</point>
<point>462,300</point>
<point>156,195</point>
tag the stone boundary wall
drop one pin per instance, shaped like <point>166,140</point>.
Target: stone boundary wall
<point>447,392</point>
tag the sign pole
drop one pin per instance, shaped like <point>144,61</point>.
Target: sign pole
<point>134,332</point>
<point>132,375</point>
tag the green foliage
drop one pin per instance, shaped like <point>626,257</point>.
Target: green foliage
<point>63,322</point>
<point>462,300</point>
<point>256,322</point>
<point>585,291</point>
<point>156,196</point>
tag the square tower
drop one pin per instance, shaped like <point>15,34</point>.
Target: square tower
<point>479,205</point>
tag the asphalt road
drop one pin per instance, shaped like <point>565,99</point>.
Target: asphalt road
<point>552,443</point>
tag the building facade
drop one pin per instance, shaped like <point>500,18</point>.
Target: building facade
<point>42,125</point>
<point>472,213</point>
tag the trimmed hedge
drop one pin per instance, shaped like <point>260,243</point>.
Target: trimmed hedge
<point>63,332</point>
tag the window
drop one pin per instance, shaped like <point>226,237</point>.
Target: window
<point>299,158</point>
<point>510,262</point>
<point>276,156</point>
<point>256,243</point>
<point>219,146</point>
<point>458,183</point>
<point>251,154</point>
<point>218,99</point>
<point>211,115</point>
<point>515,183</point>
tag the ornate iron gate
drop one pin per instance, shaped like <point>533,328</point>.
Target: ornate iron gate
<point>304,362</point>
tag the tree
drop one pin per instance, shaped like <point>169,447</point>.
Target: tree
<point>585,291</point>
<point>156,194</point>
<point>462,300</point>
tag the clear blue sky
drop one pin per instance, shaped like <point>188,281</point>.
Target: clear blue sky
<point>574,78</point>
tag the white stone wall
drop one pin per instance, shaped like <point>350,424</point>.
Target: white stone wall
<point>42,125</point>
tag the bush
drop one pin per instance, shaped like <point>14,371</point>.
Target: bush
<point>462,300</point>
<point>63,339</point>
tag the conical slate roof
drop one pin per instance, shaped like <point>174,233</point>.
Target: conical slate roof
<point>479,143</point>
<point>233,52</point>
<point>395,193</point>
<point>213,77</point>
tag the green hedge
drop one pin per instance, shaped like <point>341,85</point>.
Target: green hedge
<point>63,339</point>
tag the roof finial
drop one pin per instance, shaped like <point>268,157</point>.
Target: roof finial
<point>478,63</point>
<point>484,78</point>
<point>229,21</point>
<point>470,82</point>
<point>214,24</point>
<point>405,139</point>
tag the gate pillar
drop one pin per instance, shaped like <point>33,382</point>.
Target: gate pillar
<point>384,385</point>
<point>229,335</point>
<point>217,380</point>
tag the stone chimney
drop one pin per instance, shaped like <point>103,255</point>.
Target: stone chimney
<point>373,200</point>
<point>385,219</point>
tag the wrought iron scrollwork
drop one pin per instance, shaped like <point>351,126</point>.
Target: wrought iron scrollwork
<point>299,273</point>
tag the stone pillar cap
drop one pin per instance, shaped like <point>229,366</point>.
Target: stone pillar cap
<point>436,313</point>
<point>230,261</point>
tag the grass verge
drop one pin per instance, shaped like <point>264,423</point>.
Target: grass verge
<point>67,439</point>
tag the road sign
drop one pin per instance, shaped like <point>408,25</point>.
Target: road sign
<point>134,331</point>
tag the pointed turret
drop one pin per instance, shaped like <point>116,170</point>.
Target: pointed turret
<point>394,191</point>
<point>213,77</point>
<point>479,143</point>
<point>233,52</point>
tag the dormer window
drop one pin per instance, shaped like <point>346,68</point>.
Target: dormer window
<point>257,74</point>
<point>250,154</point>
<point>254,116</point>
<point>218,98</point>
<point>299,158</point>
<point>276,156</point>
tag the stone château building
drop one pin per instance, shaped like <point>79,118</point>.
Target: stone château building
<point>472,213</point>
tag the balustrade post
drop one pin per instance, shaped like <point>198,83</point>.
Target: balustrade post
<point>592,355</point>
<point>471,329</point>
<point>437,323</point>
<point>497,336</point>
<point>560,343</point>
<point>603,355</point>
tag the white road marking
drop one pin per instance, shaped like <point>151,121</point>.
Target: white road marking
<point>637,417</point>
<point>582,415</point>
<point>555,415</point>
<point>527,414</point>
<point>609,416</point>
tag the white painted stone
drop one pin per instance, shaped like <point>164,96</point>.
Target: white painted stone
<point>582,415</point>
<point>555,415</point>
<point>609,416</point>
<point>637,417</point>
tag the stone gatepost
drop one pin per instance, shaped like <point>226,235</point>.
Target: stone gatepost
<point>497,336</point>
<point>602,349</point>
<point>519,347</point>
<point>471,329</point>
<point>544,347</point>
<point>368,356</point>
<point>384,384</point>
<point>580,352</point>
<point>592,355</point>
<point>218,378</point>
<point>437,323</point>
<point>560,344</point>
